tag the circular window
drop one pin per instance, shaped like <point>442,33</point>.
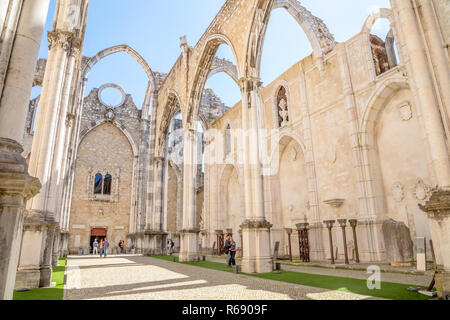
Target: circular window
<point>111,95</point>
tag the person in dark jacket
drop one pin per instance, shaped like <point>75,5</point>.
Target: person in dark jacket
<point>106,247</point>
<point>230,246</point>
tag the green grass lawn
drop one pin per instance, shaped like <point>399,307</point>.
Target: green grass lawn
<point>55,293</point>
<point>394,291</point>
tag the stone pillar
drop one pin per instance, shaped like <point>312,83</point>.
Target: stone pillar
<point>19,52</point>
<point>151,149</point>
<point>365,182</point>
<point>255,229</point>
<point>16,187</point>
<point>438,210</point>
<point>438,207</point>
<point>56,252</point>
<point>316,229</point>
<point>190,233</point>
<point>70,171</point>
<point>156,242</point>
<point>21,68</point>
<point>424,90</point>
<point>45,268</point>
<point>50,136</point>
<point>436,45</point>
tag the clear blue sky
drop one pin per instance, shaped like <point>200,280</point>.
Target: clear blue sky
<point>153,28</point>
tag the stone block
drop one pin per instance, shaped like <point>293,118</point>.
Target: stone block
<point>398,243</point>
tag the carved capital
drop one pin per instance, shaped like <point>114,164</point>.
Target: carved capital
<point>14,177</point>
<point>65,40</point>
<point>438,206</point>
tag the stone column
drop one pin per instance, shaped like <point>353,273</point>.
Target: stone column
<point>156,236</point>
<point>436,49</point>
<point>438,207</point>
<point>16,185</point>
<point>190,233</point>
<point>49,139</point>
<point>316,227</point>
<point>255,229</point>
<point>45,267</point>
<point>423,88</point>
<point>151,150</point>
<point>71,162</point>
<point>365,180</point>
<point>21,68</point>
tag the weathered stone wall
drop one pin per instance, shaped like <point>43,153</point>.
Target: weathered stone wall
<point>105,148</point>
<point>396,158</point>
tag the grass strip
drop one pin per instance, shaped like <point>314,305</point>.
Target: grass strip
<point>55,293</point>
<point>389,290</point>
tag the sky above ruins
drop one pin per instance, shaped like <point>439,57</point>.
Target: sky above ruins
<point>153,28</point>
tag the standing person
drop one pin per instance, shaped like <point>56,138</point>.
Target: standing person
<point>170,245</point>
<point>106,245</point>
<point>102,246</point>
<point>95,247</point>
<point>230,246</point>
<point>122,247</point>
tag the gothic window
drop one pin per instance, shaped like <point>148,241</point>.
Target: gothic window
<point>98,184</point>
<point>107,185</point>
<point>283,108</point>
<point>228,140</point>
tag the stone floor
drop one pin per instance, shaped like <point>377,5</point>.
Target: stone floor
<point>134,277</point>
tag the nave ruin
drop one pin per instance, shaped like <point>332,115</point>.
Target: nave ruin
<point>353,137</point>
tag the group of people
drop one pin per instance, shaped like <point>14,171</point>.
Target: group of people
<point>230,249</point>
<point>100,247</point>
<point>103,246</point>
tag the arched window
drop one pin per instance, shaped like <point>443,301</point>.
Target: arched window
<point>98,184</point>
<point>283,109</point>
<point>228,140</point>
<point>107,184</point>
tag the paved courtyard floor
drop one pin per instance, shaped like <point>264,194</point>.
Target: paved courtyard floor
<point>144,278</point>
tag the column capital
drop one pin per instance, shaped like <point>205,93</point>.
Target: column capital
<point>65,40</point>
<point>250,83</point>
<point>14,177</point>
<point>438,205</point>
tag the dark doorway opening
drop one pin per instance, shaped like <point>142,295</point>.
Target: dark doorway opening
<point>99,234</point>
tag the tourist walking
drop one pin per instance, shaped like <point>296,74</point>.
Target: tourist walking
<point>230,249</point>
<point>102,248</point>
<point>95,247</point>
<point>106,247</point>
<point>122,247</point>
<point>170,245</point>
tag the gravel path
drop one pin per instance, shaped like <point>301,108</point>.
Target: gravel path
<point>144,278</point>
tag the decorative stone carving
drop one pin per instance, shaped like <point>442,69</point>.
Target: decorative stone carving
<point>337,203</point>
<point>421,190</point>
<point>397,192</point>
<point>283,113</point>
<point>109,115</point>
<point>294,154</point>
<point>406,112</point>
